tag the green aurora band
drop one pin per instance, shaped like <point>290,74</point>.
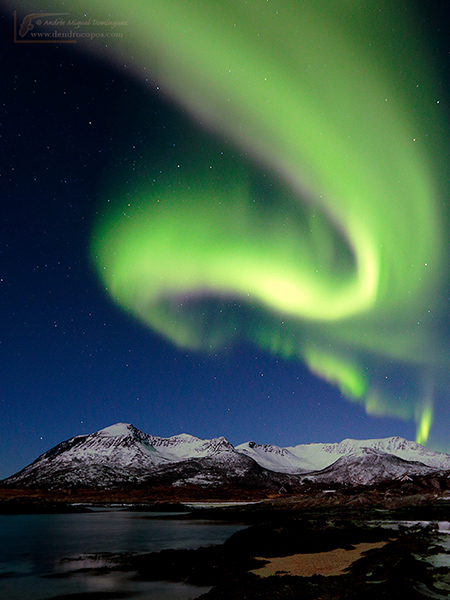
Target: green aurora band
<point>342,267</point>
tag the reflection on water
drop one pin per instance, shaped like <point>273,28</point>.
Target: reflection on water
<point>91,586</point>
<point>32,548</point>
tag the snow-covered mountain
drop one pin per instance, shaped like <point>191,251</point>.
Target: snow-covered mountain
<point>368,466</point>
<point>122,455</point>
<point>305,458</point>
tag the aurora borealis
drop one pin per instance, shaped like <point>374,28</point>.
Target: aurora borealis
<point>254,197</point>
<point>343,108</point>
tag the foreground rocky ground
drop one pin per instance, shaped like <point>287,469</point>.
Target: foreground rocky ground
<point>308,527</point>
<point>416,491</point>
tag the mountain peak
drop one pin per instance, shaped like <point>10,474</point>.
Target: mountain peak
<point>117,430</point>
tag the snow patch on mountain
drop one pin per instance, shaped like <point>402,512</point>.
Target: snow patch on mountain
<point>118,429</point>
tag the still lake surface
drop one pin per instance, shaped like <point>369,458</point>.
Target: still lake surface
<point>32,548</point>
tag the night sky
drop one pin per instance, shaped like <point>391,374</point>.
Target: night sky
<point>91,135</point>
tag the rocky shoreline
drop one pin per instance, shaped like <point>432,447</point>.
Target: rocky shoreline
<point>384,563</point>
<point>345,534</point>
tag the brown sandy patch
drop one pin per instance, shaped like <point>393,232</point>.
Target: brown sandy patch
<point>329,563</point>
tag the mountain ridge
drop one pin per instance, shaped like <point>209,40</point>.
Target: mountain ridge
<point>317,456</point>
<point>121,454</point>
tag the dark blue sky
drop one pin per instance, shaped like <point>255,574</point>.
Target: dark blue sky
<point>71,361</point>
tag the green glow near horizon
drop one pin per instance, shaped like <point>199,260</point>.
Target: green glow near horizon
<point>344,110</point>
<point>424,424</point>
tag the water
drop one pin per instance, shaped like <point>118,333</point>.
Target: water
<point>32,546</point>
